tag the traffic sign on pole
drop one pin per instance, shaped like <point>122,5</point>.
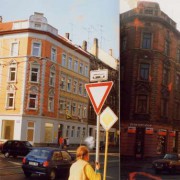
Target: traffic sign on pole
<point>98,93</point>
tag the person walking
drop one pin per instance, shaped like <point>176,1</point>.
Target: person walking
<point>61,142</point>
<point>81,169</point>
<point>67,142</point>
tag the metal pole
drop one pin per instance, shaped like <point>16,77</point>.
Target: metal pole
<point>106,150</point>
<point>97,138</point>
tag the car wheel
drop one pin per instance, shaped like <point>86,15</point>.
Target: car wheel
<point>52,174</point>
<point>6,154</point>
<point>27,174</point>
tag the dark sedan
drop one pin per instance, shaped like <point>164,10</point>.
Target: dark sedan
<point>47,161</point>
<point>16,148</point>
<point>169,163</point>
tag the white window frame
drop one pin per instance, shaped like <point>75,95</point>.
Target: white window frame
<point>53,53</point>
<point>86,71</point>
<point>33,91</point>
<point>68,106</point>
<point>14,49</point>
<point>76,65</point>
<point>80,88</point>
<point>75,86</point>
<point>81,68</point>
<point>51,101</point>
<point>63,82</point>
<point>64,60</point>
<point>36,48</point>
<point>62,106</point>
<point>69,84</point>
<point>35,65</point>
<point>79,110</point>
<point>11,90</point>
<point>70,63</point>
<point>84,113</point>
<point>13,64</point>
<point>52,76</point>
<point>74,108</point>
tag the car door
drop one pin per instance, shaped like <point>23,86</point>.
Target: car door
<point>67,160</point>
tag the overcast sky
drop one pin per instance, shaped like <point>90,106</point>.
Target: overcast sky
<point>169,7</point>
<point>83,19</point>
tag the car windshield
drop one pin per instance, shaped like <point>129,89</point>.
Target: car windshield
<point>171,156</point>
<point>39,153</point>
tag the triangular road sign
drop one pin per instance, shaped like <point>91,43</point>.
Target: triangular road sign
<point>98,93</point>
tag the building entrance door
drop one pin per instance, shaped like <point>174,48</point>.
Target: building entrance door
<point>139,142</point>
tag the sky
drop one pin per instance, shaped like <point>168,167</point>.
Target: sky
<point>169,7</point>
<point>83,19</point>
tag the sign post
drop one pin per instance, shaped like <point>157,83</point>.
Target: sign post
<point>98,93</point>
<point>107,120</point>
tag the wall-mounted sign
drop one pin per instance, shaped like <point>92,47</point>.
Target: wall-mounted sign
<point>162,132</point>
<point>172,133</point>
<point>149,130</point>
<point>131,130</point>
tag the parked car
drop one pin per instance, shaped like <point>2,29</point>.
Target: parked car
<point>47,161</point>
<point>16,148</point>
<point>169,163</point>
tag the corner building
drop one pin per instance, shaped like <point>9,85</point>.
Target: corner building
<point>42,77</point>
<point>149,82</point>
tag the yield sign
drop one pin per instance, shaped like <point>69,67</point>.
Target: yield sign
<point>98,93</point>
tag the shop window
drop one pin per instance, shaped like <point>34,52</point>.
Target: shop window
<point>7,131</point>
<point>48,132</point>
<point>30,131</point>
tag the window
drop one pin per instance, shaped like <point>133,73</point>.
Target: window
<point>144,72</point>
<point>36,49</point>
<point>86,71</point>
<point>7,130</point>
<point>63,82</point>
<point>167,46</point>
<point>85,93</point>
<point>148,11</point>
<point>12,71</point>
<point>69,82</point>
<point>75,65</point>
<point>84,132</point>
<point>142,104</point>
<point>48,132</point>
<point>146,42</point>
<point>124,43</point>
<point>52,76</point>
<point>79,110</point>
<point>14,49</point>
<point>72,131</point>
<point>32,101</point>
<point>78,131</point>
<point>33,98</point>
<point>67,131</point>
<point>178,82</point>
<point>75,86</point>
<point>53,54</point>
<point>178,55</point>
<point>10,100</point>
<point>64,60</point>
<point>84,111</point>
<point>34,75</point>
<point>164,108</point>
<point>51,101</point>
<point>70,63</point>
<point>81,68</point>
<point>30,131</point>
<point>80,88</point>
<point>74,108</point>
<point>177,111</point>
<point>165,76</point>
<point>62,105</point>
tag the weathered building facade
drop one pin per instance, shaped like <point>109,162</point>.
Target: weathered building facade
<point>150,82</point>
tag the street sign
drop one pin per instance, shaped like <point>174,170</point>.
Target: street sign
<point>98,93</point>
<point>99,75</point>
<point>107,118</point>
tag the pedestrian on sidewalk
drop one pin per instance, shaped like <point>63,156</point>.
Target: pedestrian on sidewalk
<point>61,142</point>
<point>67,142</point>
<point>81,169</point>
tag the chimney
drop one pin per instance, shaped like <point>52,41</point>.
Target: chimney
<point>0,19</point>
<point>84,45</point>
<point>96,47</point>
<point>67,35</point>
<point>110,52</point>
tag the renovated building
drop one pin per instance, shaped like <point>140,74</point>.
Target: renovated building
<point>149,82</point>
<point>42,77</point>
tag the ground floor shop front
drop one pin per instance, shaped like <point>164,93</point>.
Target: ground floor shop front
<point>148,140</point>
<point>38,130</point>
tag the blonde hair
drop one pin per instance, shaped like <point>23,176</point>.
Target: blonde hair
<point>81,152</point>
